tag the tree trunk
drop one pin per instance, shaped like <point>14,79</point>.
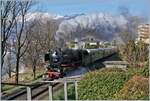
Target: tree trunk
<point>34,72</point>
<point>9,65</point>
<point>9,73</point>
<point>17,68</point>
<point>3,53</point>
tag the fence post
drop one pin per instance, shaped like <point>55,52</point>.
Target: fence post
<point>1,93</point>
<point>50,92</point>
<point>76,92</point>
<point>65,89</point>
<point>29,93</point>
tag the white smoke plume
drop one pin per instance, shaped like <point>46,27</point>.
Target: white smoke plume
<point>100,25</point>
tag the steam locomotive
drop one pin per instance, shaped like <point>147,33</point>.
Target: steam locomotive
<point>62,59</point>
<point>58,60</point>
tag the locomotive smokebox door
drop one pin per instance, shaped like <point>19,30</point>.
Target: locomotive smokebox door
<point>46,57</point>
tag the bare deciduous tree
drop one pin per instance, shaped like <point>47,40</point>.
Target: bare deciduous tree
<point>135,54</point>
<point>42,39</point>
<point>34,49</point>
<point>21,34</point>
<point>9,12</point>
<point>47,31</point>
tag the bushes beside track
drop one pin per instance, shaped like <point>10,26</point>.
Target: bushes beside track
<point>101,84</point>
<point>139,71</point>
<point>108,84</point>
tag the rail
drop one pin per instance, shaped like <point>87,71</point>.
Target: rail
<point>28,88</point>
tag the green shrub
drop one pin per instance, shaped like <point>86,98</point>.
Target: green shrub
<point>139,71</point>
<point>144,72</point>
<point>101,84</point>
<point>135,89</point>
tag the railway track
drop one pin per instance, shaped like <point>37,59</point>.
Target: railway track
<point>36,89</point>
<point>35,92</point>
<point>39,90</point>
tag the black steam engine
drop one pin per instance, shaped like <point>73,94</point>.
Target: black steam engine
<point>60,59</point>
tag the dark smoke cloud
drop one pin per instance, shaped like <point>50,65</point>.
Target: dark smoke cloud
<point>99,25</point>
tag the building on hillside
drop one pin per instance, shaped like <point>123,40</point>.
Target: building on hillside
<point>88,42</point>
<point>143,33</point>
<point>75,44</point>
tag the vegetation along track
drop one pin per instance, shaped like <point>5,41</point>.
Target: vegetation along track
<point>40,89</point>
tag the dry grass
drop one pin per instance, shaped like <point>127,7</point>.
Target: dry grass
<point>26,77</point>
<point>135,89</point>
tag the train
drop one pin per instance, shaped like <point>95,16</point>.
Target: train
<point>60,60</point>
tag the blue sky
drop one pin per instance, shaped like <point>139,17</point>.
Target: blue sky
<point>69,7</point>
